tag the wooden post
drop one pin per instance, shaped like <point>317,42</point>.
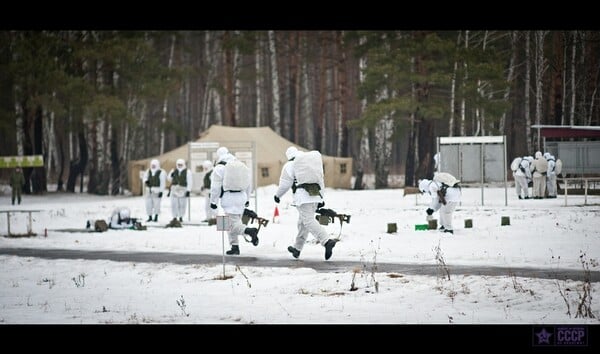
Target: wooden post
<point>392,227</point>
<point>29,229</point>
<point>432,224</point>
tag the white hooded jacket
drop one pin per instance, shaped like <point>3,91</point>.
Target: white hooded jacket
<point>286,180</point>
<point>178,190</point>
<point>231,202</point>
<point>431,187</point>
<point>162,176</point>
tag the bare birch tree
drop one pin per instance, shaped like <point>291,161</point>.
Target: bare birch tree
<point>275,82</point>
<point>540,69</point>
<point>307,102</point>
<point>463,104</point>
<point>509,76</point>
<point>573,83</point>
<point>527,90</point>
<point>258,55</point>
<point>212,99</point>
<point>453,90</point>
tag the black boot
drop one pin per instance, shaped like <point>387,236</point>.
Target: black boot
<point>329,245</point>
<point>294,251</point>
<point>235,249</point>
<point>149,218</point>
<point>156,217</point>
<point>253,232</point>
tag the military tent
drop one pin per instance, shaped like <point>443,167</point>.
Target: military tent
<point>270,156</point>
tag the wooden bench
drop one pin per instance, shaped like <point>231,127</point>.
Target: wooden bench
<point>29,225</point>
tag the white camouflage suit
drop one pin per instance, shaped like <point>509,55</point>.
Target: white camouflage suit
<point>120,218</point>
<point>208,168</point>
<point>538,170</point>
<point>232,203</point>
<point>551,175</point>
<point>522,176</point>
<point>155,180</point>
<point>181,186</point>
<point>306,205</point>
<point>452,197</point>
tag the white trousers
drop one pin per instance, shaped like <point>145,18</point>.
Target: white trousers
<point>178,206</point>
<point>539,186</point>
<point>521,186</point>
<point>237,228</point>
<point>153,204</point>
<point>551,185</point>
<point>308,224</point>
<point>446,212</point>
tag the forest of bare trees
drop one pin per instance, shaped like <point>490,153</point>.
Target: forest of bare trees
<point>89,101</point>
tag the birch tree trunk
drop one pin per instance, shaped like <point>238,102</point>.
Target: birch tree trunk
<point>307,102</point>
<point>383,146</point>
<point>341,70</point>
<point>527,90</point>
<point>321,93</point>
<point>212,100</point>
<point>509,77</point>
<point>582,107</point>
<point>563,115</point>
<point>573,86</point>
<point>275,83</point>
<point>363,150</point>
<point>453,91</point>
<point>593,97</point>
<point>237,84</point>
<point>51,150</point>
<point>413,144</point>
<point>299,60</point>
<point>540,68</point>
<point>463,105</point>
<point>165,101</point>
<point>258,79</point>
<point>481,90</point>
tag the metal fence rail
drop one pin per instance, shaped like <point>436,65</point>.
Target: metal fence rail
<point>585,182</point>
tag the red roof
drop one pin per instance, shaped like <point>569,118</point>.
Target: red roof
<point>568,131</point>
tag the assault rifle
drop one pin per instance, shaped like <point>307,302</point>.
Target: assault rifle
<point>329,214</point>
<point>250,216</point>
<point>442,194</point>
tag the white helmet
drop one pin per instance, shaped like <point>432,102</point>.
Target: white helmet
<point>180,163</point>
<point>207,165</point>
<point>155,164</point>
<point>222,151</point>
<point>228,157</point>
<point>424,185</point>
<point>291,152</point>
<point>124,213</point>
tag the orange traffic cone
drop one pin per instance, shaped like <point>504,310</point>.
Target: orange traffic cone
<point>276,215</point>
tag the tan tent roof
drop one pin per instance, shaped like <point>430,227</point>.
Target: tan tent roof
<point>270,155</point>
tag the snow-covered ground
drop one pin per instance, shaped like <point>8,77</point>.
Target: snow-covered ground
<point>542,234</point>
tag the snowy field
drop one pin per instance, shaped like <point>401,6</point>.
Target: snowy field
<point>542,234</point>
